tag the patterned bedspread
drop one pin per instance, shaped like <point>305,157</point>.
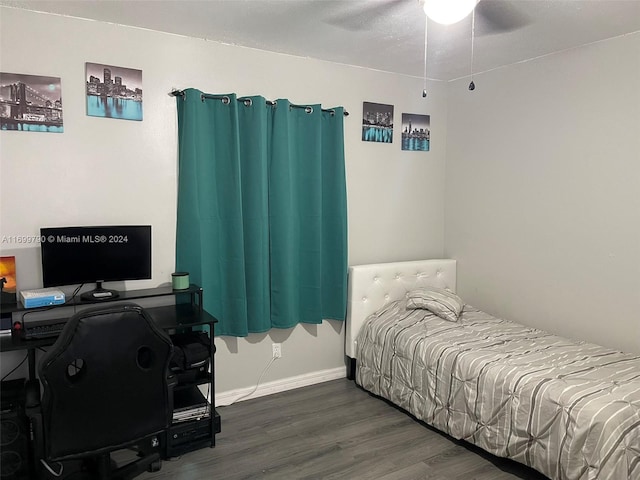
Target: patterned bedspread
<point>569,409</point>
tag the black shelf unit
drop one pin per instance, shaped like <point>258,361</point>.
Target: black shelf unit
<point>189,435</point>
<point>186,315</point>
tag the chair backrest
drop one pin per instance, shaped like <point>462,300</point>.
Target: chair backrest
<point>105,382</point>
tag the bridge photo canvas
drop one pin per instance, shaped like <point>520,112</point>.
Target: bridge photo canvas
<point>114,92</point>
<point>30,103</point>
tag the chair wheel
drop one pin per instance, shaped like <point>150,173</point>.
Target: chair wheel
<point>155,466</point>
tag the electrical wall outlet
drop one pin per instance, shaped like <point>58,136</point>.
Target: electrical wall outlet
<point>277,350</point>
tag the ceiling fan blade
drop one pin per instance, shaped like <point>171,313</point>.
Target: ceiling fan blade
<point>363,15</point>
<point>497,16</point>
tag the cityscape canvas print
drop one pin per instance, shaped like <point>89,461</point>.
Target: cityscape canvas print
<point>30,103</point>
<point>416,132</point>
<point>114,92</point>
<point>377,122</point>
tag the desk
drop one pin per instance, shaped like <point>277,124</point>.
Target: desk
<point>166,317</point>
<point>186,314</point>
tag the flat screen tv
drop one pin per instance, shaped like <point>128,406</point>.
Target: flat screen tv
<point>77,255</point>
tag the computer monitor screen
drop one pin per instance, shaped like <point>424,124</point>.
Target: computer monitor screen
<point>75,255</point>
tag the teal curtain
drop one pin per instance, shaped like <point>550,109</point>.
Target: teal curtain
<point>262,216</point>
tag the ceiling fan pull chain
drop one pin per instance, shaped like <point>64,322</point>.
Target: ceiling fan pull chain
<point>424,90</point>
<point>472,86</point>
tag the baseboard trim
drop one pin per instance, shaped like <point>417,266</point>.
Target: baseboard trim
<point>282,385</point>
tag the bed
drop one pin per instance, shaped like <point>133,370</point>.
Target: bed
<point>569,409</point>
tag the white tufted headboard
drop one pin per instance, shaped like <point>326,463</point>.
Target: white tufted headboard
<point>371,287</point>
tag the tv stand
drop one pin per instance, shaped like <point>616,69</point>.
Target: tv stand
<point>98,294</point>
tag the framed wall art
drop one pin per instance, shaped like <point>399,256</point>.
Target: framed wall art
<point>416,132</point>
<point>113,92</point>
<point>8,280</point>
<point>30,103</point>
<point>377,122</point>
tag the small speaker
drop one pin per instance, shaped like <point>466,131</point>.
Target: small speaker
<point>14,439</point>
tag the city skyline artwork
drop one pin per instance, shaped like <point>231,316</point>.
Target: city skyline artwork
<point>113,92</point>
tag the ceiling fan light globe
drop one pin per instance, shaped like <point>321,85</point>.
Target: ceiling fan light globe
<point>448,12</point>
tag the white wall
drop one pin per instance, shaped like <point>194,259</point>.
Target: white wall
<point>543,192</point>
<point>114,171</point>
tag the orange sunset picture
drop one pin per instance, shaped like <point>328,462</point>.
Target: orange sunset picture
<point>8,279</point>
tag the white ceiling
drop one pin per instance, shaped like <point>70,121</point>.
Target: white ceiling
<point>380,34</point>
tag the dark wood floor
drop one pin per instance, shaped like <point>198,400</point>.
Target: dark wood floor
<point>333,430</point>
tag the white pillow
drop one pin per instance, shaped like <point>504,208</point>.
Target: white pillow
<point>440,301</point>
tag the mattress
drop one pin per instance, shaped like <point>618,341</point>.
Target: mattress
<point>569,409</point>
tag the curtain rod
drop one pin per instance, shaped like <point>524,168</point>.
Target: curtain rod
<point>247,101</point>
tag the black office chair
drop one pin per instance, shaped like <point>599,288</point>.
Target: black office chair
<point>106,387</point>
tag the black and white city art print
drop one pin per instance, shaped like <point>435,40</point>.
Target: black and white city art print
<point>114,92</point>
<point>416,132</point>
<point>30,103</point>
<point>377,122</point>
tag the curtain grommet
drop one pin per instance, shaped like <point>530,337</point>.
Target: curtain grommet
<point>308,109</point>
<point>225,100</point>
<point>247,102</point>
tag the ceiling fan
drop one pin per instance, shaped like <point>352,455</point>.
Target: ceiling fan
<point>489,17</point>
<point>492,16</point>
